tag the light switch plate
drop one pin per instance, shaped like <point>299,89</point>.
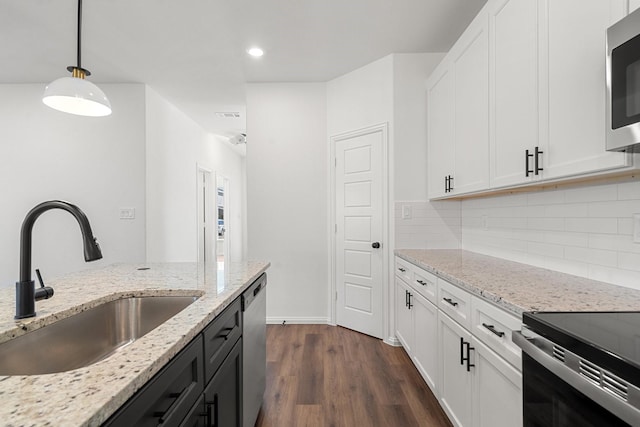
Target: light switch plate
<point>636,228</point>
<point>127,213</point>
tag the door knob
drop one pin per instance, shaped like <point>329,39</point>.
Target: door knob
<point>375,245</point>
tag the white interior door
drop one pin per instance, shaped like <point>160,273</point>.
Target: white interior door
<point>206,242</point>
<point>359,229</point>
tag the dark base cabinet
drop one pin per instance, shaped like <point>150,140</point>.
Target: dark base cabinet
<point>223,395</point>
<point>201,386</point>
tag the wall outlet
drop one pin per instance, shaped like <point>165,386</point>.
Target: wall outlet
<point>485,222</point>
<point>127,213</point>
<point>406,212</point>
<point>636,228</point>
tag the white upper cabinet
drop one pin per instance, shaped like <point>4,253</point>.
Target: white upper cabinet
<point>471,68</point>
<point>440,132</point>
<point>574,49</point>
<point>520,98</point>
<point>458,114</point>
<point>514,90</point>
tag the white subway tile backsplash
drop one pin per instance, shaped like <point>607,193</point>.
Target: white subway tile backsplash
<point>595,193</point>
<point>544,224</point>
<point>583,230</point>
<point>629,261</point>
<point>590,225</point>
<point>573,210</point>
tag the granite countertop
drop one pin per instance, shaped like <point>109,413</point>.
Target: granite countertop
<point>520,287</point>
<point>89,395</point>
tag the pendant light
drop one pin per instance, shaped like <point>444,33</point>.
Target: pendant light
<point>74,94</point>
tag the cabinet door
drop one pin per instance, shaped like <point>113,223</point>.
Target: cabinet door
<point>497,390</point>
<point>470,59</point>
<point>574,49</point>
<point>404,321</point>
<point>440,133</point>
<point>223,395</point>
<point>455,381</point>
<point>514,103</point>
<point>425,346</point>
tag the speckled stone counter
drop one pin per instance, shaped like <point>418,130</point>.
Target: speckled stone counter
<point>520,287</point>
<point>89,395</point>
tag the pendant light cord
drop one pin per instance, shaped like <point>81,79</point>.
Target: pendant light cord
<point>79,31</point>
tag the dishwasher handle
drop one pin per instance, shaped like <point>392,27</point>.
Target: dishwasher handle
<point>253,291</point>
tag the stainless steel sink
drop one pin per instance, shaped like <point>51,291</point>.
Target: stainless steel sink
<point>87,337</point>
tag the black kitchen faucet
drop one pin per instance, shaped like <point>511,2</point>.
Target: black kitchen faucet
<point>26,294</point>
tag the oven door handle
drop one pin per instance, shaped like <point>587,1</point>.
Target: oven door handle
<point>534,347</point>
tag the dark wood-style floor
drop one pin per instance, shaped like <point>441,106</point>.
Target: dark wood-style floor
<point>320,375</point>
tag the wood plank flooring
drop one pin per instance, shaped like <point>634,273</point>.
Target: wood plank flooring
<point>321,375</point>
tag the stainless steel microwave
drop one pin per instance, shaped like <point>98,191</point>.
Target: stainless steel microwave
<point>623,84</point>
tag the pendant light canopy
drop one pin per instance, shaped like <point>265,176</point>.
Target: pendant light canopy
<point>74,94</point>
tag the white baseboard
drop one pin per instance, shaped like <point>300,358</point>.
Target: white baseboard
<point>392,341</point>
<point>298,320</point>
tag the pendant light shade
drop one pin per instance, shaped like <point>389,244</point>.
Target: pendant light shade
<point>74,94</point>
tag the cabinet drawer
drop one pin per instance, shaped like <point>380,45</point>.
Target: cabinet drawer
<point>493,326</point>
<point>455,302</point>
<point>404,270</point>
<point>426,284</point>
<point>169,396</point>
<point>220,336</point>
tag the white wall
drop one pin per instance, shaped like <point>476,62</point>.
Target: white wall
<point>361,98</point>
<point>287,193</point>
<point>583,230</point>
<point>95,163</point>
<point>175,147</point>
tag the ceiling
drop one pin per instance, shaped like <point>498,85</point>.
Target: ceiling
<point>193,52</point>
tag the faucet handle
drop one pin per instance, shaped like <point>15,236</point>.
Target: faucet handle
<point>45,292</point>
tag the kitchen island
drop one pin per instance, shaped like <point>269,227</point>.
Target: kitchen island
<point>88,396</point>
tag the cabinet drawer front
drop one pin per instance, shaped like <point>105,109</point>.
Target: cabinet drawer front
<point>426,284</point>
<point>455,302</point>
<point>220,336</point>
<point>404,270</point>
<point>169,396</point>
<point>493,326</point>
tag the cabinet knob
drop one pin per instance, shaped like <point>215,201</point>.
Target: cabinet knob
<point>375,245</point>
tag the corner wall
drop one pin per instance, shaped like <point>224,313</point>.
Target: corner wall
<point>287,192</point>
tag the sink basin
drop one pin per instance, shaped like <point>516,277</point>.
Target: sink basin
<point>87,337</point>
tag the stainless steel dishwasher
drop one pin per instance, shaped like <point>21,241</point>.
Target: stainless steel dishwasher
<point>254,352</point>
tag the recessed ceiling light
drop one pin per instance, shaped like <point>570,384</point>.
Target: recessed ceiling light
<point>255,52</point>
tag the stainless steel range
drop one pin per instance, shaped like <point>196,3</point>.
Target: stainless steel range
<point>580,368</point>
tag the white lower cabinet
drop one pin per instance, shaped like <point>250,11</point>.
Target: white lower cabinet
<point>417,330</point>
<point>462,348</point>
<point>478,387</point>
<point>455,380</point>
<point>404,316</point>
<point>425,352</point>
<point>497,389</point>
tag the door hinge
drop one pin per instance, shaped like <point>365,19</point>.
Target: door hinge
<point>336,295</point>
<point>335,162</point>
<point>335,228</point>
